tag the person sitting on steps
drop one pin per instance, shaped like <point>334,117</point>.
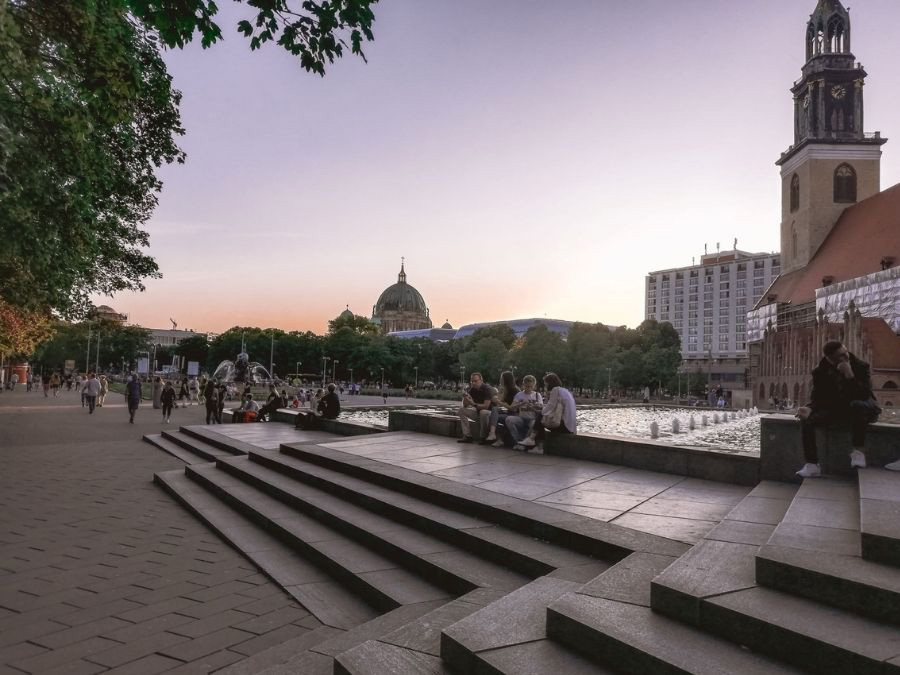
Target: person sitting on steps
<point>476,407</point>
<point>841,395</point>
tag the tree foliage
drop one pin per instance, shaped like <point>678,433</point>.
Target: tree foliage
<point>87,116</point>
<point>79,342</point>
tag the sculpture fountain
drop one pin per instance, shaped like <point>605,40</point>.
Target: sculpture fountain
<point>242,371</point>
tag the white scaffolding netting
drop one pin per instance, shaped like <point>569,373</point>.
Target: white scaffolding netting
<point>874,295</point>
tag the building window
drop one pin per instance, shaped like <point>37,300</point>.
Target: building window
<point>845,184</point>
<point>795,193</point>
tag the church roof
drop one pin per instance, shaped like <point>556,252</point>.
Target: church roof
<point>401,297</point>
<point>863,236</point>
<point>346,314</point>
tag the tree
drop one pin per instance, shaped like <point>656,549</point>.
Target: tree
<point>488,356</point>
<point>70,341</point>
<point>21,331</point>
<point>542,352</point>
<point>356,323</point>
<point>194,348</point>
<point>87,115</point>
<point>499,331</point>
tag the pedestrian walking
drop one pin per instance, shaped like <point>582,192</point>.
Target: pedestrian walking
<point>104,390</point>
<point>194,390</point>
<point>183,393</point>
<point>90,391</point>
<point>29,381</point>
<point>45,384</point>
<point>210,398</point>
<point>168,401</point>
<point>54,384</point>
<point>133,396</point>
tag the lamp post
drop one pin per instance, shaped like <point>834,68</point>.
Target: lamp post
<point>334,370</point>
<point>325,360</point>
<point>608,382</point>
<point>382,380</point>
<point>416,386</point>
<point>87,357</point>
<point>351,380</point>
<point>462,376</point>
<point>297,369</point>
<point>272,355</point>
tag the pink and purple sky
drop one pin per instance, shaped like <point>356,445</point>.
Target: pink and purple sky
<point>527,158</point>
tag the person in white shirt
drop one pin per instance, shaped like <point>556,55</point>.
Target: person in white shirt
<point>523,413</point>
<point>91,391</point>
<point>558,413</point>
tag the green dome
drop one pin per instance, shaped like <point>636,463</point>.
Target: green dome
<point>401,297</point>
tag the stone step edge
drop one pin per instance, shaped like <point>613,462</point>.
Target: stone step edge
<point>168,480</point>
<point>441,576</point>
<point>221,441</point>
<point>494,551</point>
<point>582,534</point>
<point>176,451</point>
<point>822,585</point>
<point>630,655</point>
<point>201,448</point>
<point>374,595</point>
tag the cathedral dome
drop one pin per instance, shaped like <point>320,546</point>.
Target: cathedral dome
<point>447,326</point>
<point>401,307</point>
<point>346,314</point>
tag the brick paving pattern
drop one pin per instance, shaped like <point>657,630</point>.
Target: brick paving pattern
<point>100,570</point>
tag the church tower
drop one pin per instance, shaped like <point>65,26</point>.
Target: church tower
<point>832,163</point>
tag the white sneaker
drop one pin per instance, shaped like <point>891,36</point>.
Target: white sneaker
<point>528,442</point>
<point>857,460</point>
<point>491,438</point>
<point>810,471</point>
<point>893,466</point>
<point>497,444</point>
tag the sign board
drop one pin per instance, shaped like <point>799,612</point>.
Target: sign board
<point>70,365</point>
<point>193,368</point>
<point>143,366</point>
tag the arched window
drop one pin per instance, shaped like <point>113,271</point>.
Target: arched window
<point>890,384</point>
<point>795,193</point>
<point>836,35</point>
<point>845,185</point>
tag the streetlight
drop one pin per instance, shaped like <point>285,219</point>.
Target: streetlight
<point>608,382</point>
<point>417,378</point>
<point>382,380</point>
<point>462,376</point>
<point>334,370</point>
<point>351,380</point>
<point>297,369</point>
<point>325,360</point>
<point>272,355</point>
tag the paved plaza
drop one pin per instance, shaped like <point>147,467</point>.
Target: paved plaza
<point>101,571</point>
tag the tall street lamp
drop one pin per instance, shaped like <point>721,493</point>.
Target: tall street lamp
<point>382,380</point>
<point>351,380</point>
<point>325,360</point>
<point>297,369</point>
<point>417,378</point>
<point>334,370</point>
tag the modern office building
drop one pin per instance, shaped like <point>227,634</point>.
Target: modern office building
<point>707,304</point>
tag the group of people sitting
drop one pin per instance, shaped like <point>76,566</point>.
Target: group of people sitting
<point>514,417</point>
<point>326,405</point>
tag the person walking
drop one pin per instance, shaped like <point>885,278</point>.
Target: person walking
<point>222,392</point>
<point>194,390</point>
<point>841,395</point>
<point>29,381</point>
<point>90,391</point>
<point>183,393</point>
<point>211,400</point>
<point>54,384</point>
<point>157,392</point>
<point>168,401</point>
<point>45,384</point>
<point>133,396</point>
<point>104,390</point>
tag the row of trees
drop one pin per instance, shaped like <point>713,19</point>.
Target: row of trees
<point>592,357</point>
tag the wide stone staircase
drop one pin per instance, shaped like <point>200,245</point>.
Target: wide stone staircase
<point>412,573</point>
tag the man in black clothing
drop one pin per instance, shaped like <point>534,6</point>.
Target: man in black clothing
<point>211,398</point>
<point>330,405</point>
<point>476,407</point>
<point>841,396</point>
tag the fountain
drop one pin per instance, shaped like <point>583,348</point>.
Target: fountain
<point>676,425</point>
<point>242,370</point>
<point>704,421</point>
<point>716,419</point>
<point>691,423</point>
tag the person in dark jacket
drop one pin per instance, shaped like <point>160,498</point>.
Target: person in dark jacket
<point>167,399</point>
<point>841,396</point>
<point>211,399</point>
<point>133,396</point>
<point>330,405</point>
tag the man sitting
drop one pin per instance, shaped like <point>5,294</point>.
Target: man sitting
<point>841,395</point>
<point>476,407</point>
<point>248,410</point>
<point>330,405</point>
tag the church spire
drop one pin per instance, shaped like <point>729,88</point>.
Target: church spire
<point>828,30</point>
<point>401,278</point>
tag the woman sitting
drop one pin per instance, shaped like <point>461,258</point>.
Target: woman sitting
<point>558,413</point>
<point>501,403</point>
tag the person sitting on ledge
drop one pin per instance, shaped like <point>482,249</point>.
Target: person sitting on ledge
<point>558,413</point>
<point>841,395</point>
<point>523,414</point>
<point>476,407</point>
<point>249,409</point>
<point>330,404</point>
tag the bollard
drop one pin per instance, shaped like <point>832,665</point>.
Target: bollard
<point>691,423</point>
<point>654,430</point>
<point>676,426</point>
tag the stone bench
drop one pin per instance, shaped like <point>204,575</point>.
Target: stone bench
<point>781,451</point>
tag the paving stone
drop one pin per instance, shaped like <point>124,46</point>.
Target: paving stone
<point>629,579</point>
<point>280,654</point>
<point>539,658</point>
<point>65,656</point>
<point>332,604</point>
<point>831,540</point>
<point>148,665</point>
<point>766,510</point>
<point>824,513</point>
<point>517,617</point>
<point>190,650</point>
<point>262,642</point>
<point>373,656</point>
<point>80,632</point>
<point>708,569</point>
<point>308,663</point>
<point>134,649</point>
<point>379,626</point>
<point>680,529</point>
<point>634,639</point>
<point>739,532</point>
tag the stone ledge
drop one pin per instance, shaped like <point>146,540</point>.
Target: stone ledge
<point>781,452</point>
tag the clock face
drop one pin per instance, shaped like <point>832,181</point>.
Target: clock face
<point>838,92</point>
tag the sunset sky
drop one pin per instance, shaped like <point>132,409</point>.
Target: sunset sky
<point>527,158</point>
